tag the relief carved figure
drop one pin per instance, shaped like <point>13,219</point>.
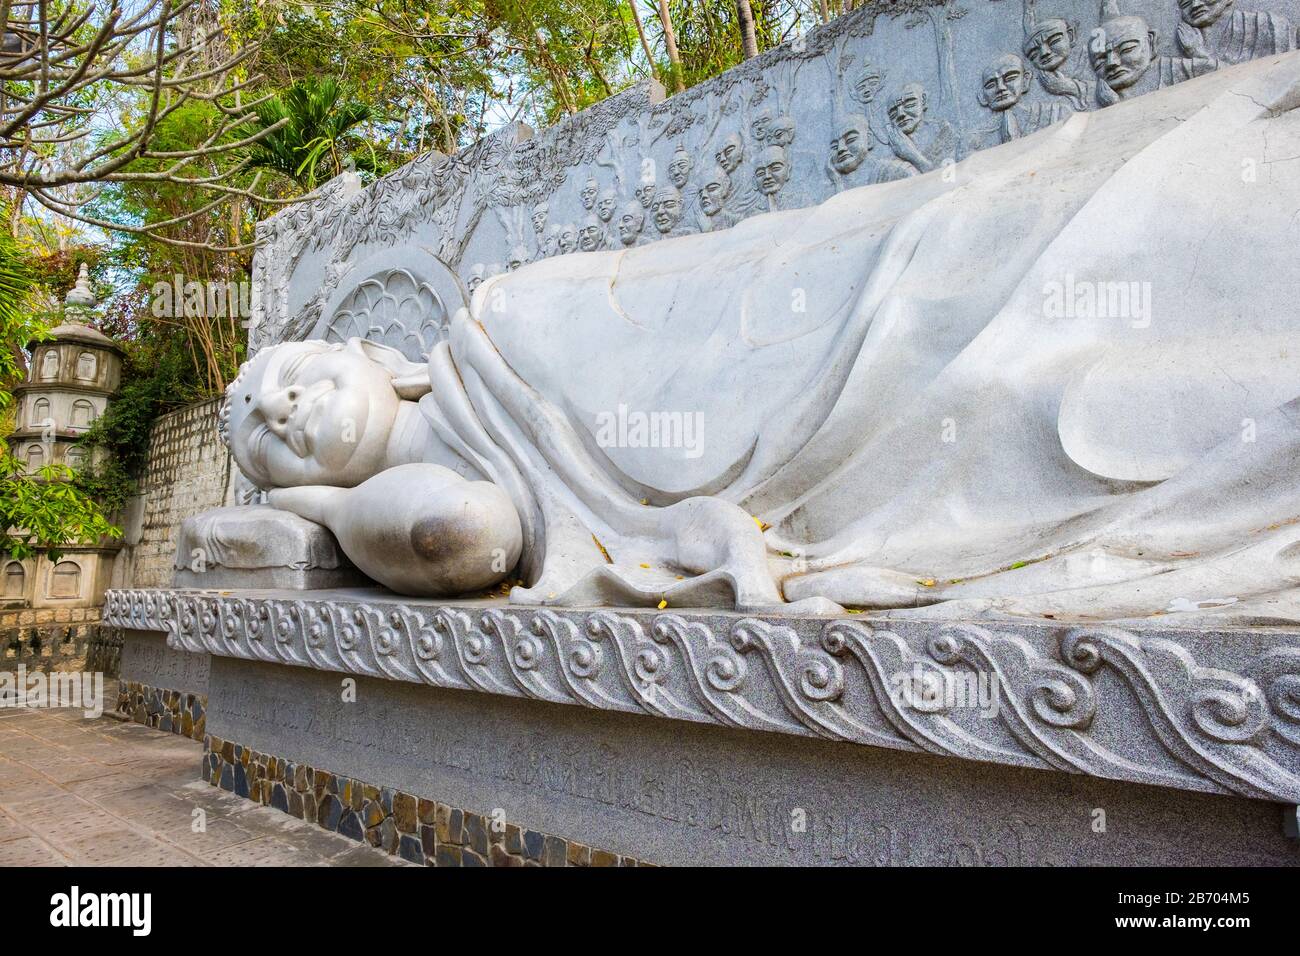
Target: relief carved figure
<point>567,241</point>
<point>679,167</point>
<point>915,138</point>
<point>666,210</point>
<point>1212,29</point>
<point>1002,90</point>
<point>1125,60</point>
<point>850,156</point>
<point>645,189</point>
<point>588,195</point>
<point>771,172</point>
<point>713,194</point>
<point>591,236</point>
<point>631,220</point>
<point>1049,46</point>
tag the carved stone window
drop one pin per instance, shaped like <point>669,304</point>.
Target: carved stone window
<point>83,414</point>
<point>40,413</point>
<point>87,365</point>
<point>50,364</point>
<point>15,585</point>
<point>65,580</point>
<point>35,457</point>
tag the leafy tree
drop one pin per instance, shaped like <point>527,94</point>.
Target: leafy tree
<point>312,136</point>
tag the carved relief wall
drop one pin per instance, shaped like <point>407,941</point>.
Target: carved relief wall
<point>886,92</point>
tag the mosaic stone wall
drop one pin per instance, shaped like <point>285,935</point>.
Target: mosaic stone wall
<point>57,639</point>
<point>170,710</point>
<point>416,829</point>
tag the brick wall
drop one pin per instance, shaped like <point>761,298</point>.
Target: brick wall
<point>188,471</point>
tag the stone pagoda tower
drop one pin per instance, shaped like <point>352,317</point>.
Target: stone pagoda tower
<point>71,377</point>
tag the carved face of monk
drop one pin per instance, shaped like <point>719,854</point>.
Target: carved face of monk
<point>630,220</point>
<point>851,144</point>
<point>588,194</point>
<point>1127,50</point>
<point>1005,81</point>
<point>1203,13</point>
<point>714,192</point>
<point>772,170</point>
<point>908,108</point>
<point>645,193</point>
<point>781,132</point>
<point>730,153</point>
<point>679,170</point>
<point>1048,45</point>
<point>867,84</point>
<point>568,237</point>
<point>518,257</point>
<point>312,413</point>
<point>667,209</point>
<point>606,205</point>
<point>540,212</point>
<point>590,238</point>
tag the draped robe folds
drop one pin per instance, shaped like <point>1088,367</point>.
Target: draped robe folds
<point>922,386</point>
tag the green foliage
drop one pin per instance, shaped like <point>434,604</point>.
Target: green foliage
<point>156,378</point>
<point>17,324</point>
<point>46,510</point>
<point>317,143</point>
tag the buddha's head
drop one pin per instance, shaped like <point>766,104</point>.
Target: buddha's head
<point>679,168</point>
<point>907,109</point>
<point>591,237</point>
<point>666,208</point>
<point>1004,82</point>
<point>714,191</point>
<point>730,153</point>
<point>771,170</point>
<point>606,205</point>
<point>1048,44</point>
<point>1202,13</point>
<point>851,144</point>
<point>317,413</point>
<point>631,218</point>
<point>1125,51</point>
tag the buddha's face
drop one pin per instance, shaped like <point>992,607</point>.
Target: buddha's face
<point>667,209</point>
<point>851,144</point>
<point>781,132</point>
<point>1005,81</point>
<point>590,237</point>
<point>1048,45</point>
<point>714,192</point>
<point>771,171</point>
<point>908,108</point>
<point>539,217</point>
<point>679,170</point>
<point>730,153</point>
<point>606,205</point>
<point>568,237</point>
<point>867,84</point>
<point>588,194</point>
<point>630,220</point>
<point>311,413</point>
<point>1126,52</point>
<point>1202,13</point>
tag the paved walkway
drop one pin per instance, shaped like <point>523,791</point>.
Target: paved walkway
<point>77,791</point>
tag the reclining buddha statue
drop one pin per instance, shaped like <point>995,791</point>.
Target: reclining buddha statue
<point>1060,379</point>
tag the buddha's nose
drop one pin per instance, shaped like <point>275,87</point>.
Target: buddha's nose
<point>277,408</point>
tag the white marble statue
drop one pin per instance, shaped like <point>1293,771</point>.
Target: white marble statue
<point>1064,382</point>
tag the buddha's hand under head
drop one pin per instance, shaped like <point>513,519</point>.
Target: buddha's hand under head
<point>418,529</point>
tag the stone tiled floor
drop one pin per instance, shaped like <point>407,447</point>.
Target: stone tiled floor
<point>91,792</point>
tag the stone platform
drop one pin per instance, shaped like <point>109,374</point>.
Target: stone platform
<point>707,737</point>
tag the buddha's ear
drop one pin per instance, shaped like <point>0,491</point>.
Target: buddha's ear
<point>410,379</point>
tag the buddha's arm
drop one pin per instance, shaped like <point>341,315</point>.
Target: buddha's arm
<point>419,529</point>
